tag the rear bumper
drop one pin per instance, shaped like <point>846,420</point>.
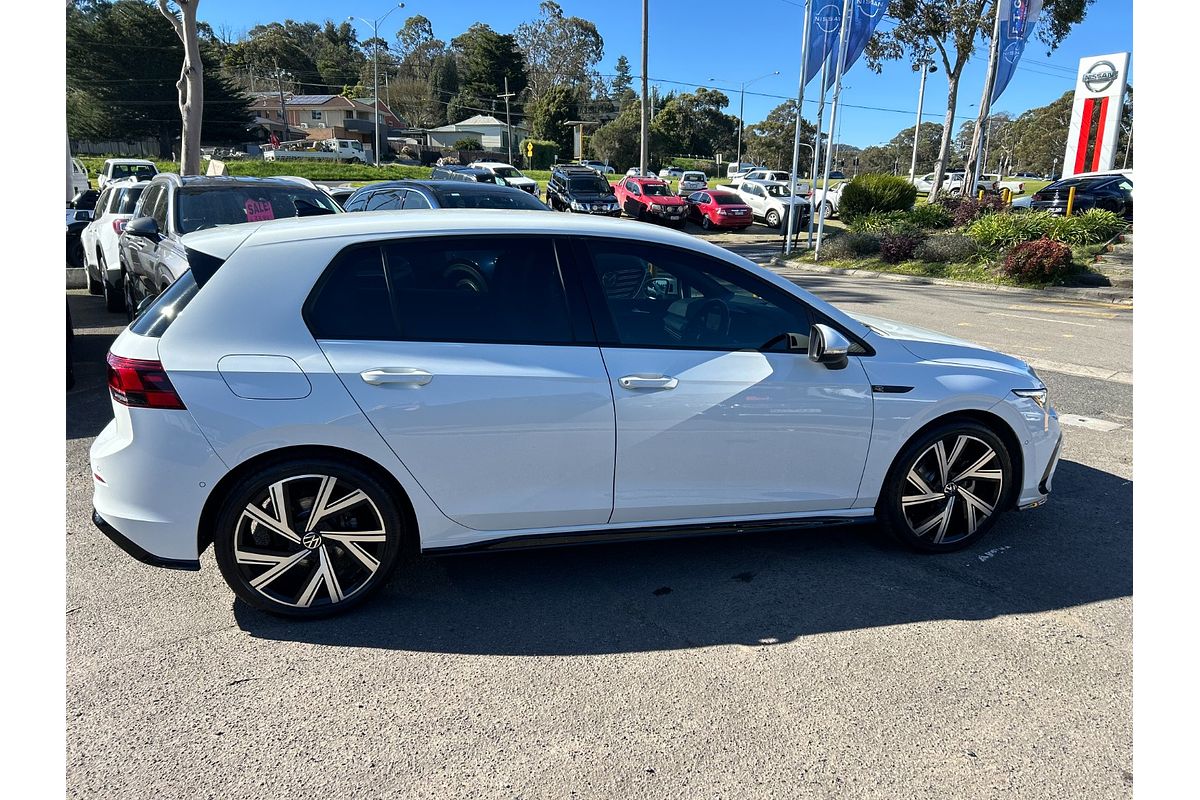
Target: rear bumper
<point>133,549</point>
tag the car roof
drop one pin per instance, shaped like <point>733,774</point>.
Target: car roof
<point>202,181</point>
<point>645,180</point>
<point>140,162</point>
<point>762,182</point>
<point>436,184</point>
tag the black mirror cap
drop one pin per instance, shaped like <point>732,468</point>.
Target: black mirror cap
<point>145,227</point>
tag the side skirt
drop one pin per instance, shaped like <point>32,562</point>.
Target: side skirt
<point>646,534</point>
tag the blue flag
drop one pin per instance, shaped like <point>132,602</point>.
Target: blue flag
<point>1017,21</point>
<point>824,29</point>
<point>865,17</point>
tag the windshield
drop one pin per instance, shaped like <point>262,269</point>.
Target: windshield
<point>505,199</point>
<point>507,172</point>
<point>200,208</point>
<point>1090,182</point>
<point>778,191</point>
<point>694,177</point>
<point>128,200</point>
<point>143,171</point>
<point>657,190</point>
<point>586,184</point>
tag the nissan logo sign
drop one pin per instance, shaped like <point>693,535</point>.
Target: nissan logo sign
<point>1100,76</point>
<point>828,18</point>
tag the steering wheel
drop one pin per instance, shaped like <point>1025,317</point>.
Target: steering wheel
<point>711,322</point>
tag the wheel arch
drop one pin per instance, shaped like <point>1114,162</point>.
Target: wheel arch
<point>212,505</point>
<point>993,422</point>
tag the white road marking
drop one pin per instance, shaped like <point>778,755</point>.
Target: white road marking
<point>995,551</point>
<point>1092,424</point>
<point>1099,373</point>
<point>1042,319</point>
<point>1060,309</point>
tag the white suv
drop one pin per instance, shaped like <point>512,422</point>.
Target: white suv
<point>512,176</point>
<point>100,239</point>
<point>608,379</point>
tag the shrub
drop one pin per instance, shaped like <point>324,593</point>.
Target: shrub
<point>850,245</point>
<point>948,247</point>
<point>467,144</point>
<point>1038,261</point>
<point>930,215</point>
<point>1090,227</point>
<point>912,222</point>
<point>966,209</point>
<point>897,247</point>
<point>998,231</point>
<point>872,192</point>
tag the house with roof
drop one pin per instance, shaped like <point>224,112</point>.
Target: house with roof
<point>491,133</point>
<point>322,116</point>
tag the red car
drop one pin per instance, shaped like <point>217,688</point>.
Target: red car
<point>651,199</point>
<point>711,209</point>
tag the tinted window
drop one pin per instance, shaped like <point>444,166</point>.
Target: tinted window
<point>352,302</point>
<point>415,200</point>
<point>207,207</point>
<point>159,212</point>
<point>149,198</point>
<point>155,320</point>
<point>585,183</point>
<point>128,199</point>
<point>494,198</point>
<point>726,199</point>
<point>102,204</point>
<point>385,200</point>
<point>668,298</point>
<point>481,289</point>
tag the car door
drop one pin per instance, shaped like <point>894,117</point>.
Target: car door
<point>755,198</point>
<point>135,250</point>
<point>715,417</point>
<point>632,204</point>
<point>491,391</point>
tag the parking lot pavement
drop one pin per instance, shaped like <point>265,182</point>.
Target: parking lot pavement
<point>816,663</point>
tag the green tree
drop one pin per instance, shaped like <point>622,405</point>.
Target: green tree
<point>770,141</point>
<point>547,117</point>
<point>693,123</point>
<point>417,86</point>
<point>622,82</point>
<point>118,92</point>
<point>559,51</point>
<point>949,30</point>
<point>485,59</point>
<point>618,142</point>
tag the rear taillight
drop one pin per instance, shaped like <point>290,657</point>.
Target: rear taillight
<point>141,384</point>
<point>119,226</point>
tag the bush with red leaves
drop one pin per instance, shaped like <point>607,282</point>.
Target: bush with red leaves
<point>1039,261</point>
<point>897,247</point>
<point>966,209</point>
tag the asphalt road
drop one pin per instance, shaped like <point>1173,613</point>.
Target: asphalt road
<point>818,664</point>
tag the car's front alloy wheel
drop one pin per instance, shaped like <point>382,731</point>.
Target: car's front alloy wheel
<point>307,539</point>
<point>947,488</point>
<point>773,219</point>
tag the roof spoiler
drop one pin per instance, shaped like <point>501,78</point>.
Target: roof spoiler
<point>203,265</point>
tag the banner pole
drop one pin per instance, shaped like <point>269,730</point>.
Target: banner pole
<point>817,153</point>
<point>791,231</point>
<point>837,93</point>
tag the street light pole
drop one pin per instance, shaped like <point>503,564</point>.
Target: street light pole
<point>742,112</point>
<point>375,42</point>
<point>926,68</point>
<point>644,156</point>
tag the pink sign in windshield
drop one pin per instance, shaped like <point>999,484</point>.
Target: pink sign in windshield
<point>259,210</point>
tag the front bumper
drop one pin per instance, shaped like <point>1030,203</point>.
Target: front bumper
<point>1041,445</point>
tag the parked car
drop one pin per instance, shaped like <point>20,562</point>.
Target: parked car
<point>79,177</point>
<point>350,150</point>
<point>1111,191</point>
<point>340,194</point>
<point>414,195</point>
<point>831,198</point>
<point>581,190</point>
<point>614,382</point>
<point>1033,176</point>
<point>781,175</point>
<point>600,166</point>
<point>78,217</point>
<point>152,255</point>
<point>101,240</point>
<point>719,209</point>
<point>738,169</point>
<point>837,175</point>
<point>512,176</point>
<point>636,172</point>
<point>119,169</point>
<point>692,181</point>
<point>671,172</point>
<point>771,201</point>
<point>953,183</point>
<point>475,174</point>
<point>651,199</point>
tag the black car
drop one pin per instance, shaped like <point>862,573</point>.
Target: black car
<point>475,174</point>
<point>1112,192</point>
<point>79,216</point>
<point>407,195</point>
<point>152,256</point>
<point>581,190</point>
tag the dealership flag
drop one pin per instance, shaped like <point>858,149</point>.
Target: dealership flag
<point>1017,20</point>
<point>865,17</point>
<point>823,36</point>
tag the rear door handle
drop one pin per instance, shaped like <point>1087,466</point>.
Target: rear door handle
<point>648,382</point>
<point>409,376</point>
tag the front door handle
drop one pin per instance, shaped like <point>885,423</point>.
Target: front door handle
<point>648,382</point>
<point>409,376</point>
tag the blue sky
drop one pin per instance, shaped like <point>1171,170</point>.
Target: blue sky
<point>694,40</point>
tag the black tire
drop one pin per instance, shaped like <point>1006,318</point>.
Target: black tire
<point>960,493</point>
<point>128,290</point>
<point>75,254</point>
<point>93,287</point>
<point>705,222</point>
<point>312,557</point>
<point>114,300</point>
<point>773,219</point>
<point>828,209</point>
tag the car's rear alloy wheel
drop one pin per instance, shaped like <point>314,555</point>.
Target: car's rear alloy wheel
<point>307,539</point>
<point>947,488</point>
<point>773,218</point>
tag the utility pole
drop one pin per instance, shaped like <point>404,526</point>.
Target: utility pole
<point>507,118</point>
<point>375,42</point>
<point>645,149</point>
<point>282,102</point>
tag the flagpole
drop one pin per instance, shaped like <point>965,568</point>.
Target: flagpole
<point>837,93</point>
<point>817,151</point>
<point>791,231</point>
<point>974,168</point>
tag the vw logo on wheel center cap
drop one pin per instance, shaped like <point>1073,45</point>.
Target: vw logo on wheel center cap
<point>950,488</point>
<point>311,540</point>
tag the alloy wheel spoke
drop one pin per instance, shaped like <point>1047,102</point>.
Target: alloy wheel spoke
<point>310,591</point>
<point>974,507</point>
<point>321,501</point>
<point>369,561</point>
<point>959,443</point>
<point>919,482</point>
<point>331,580</point>
<point>352,499</point>
<point>279,503</point>
<point>355,536</point>
<point>917,499</point>
<point>270,523</point>
<point>258,559</point>
<point>939,450</point>
<point>930,523</point>
<point>945,526</point>
<point>274,572</point>
<point>976,470</point>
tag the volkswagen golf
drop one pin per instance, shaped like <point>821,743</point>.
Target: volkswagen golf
<point>316,398</point>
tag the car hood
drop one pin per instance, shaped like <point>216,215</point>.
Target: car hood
<point>665,200</point>
<point>933,346</point>
<point>593,197</point>
<point>521,181</point>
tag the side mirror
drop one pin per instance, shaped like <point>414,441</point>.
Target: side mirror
<point>145,227</point>
<point>827,346</point>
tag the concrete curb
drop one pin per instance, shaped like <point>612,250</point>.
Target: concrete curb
<point>1117,297</point>
<point>76,279</point>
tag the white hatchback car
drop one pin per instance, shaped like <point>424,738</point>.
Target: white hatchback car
<point>101,255</point>
<point>610,380</point>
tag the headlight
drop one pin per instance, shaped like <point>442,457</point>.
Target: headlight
<point>578,206</point>
<point>1039,396</point>
<point>656,207</point>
